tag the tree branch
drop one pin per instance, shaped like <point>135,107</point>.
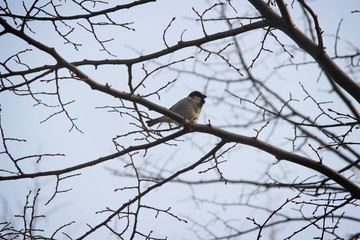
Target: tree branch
<point>304,42</point>
<point>149,189</point>
<point>96,161</point>
<point>281,154</point>
<point>180,45</point>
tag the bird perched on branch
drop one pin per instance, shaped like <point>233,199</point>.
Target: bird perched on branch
<point>189,107</point>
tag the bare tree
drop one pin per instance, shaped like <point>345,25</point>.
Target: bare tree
<point>275,154</point>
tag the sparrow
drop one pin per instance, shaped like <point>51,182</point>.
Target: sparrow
<point>189,107</point>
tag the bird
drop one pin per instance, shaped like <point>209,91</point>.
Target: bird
<point>188,107</point>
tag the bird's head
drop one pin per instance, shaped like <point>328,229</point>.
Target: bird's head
<point>198,96</point>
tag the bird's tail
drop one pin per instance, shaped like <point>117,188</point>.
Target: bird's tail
<point>152,122</point>
<point>161,119</point>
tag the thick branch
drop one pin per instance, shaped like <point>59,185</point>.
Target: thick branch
<point>304,42</point>
<point>284,12</point>
<point>281,154</point>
